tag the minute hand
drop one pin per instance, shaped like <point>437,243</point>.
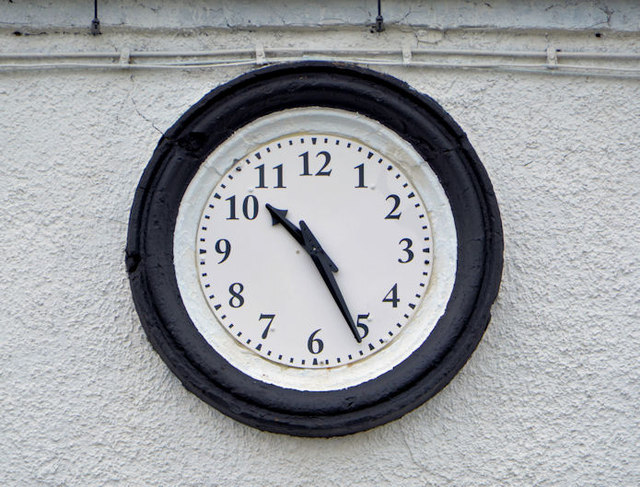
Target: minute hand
<point>326,268</point>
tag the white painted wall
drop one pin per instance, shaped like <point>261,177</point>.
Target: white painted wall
<point>618,15</point>
<point>551,395</point>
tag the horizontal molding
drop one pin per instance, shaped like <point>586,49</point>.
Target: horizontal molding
<point>553,61</point>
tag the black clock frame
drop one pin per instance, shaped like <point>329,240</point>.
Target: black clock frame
<point>433,134</point>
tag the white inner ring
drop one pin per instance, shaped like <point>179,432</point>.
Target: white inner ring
<point>387,143</point>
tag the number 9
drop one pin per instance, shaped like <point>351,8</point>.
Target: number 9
<point>223,246</point>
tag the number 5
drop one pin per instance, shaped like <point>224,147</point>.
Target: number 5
<point>362,326</point>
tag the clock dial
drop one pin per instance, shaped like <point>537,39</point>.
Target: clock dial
<point>366,224</point>
<point>314,249</point>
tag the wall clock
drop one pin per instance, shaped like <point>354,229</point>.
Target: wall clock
<point>314,249</point>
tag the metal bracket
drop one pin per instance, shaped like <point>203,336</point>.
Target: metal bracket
<point>95,27</point>
<point>379,25</point>
<point>95,23</point>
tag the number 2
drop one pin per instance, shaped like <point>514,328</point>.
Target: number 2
<point>396,203</point>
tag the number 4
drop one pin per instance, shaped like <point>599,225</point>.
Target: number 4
<point>394,300</point>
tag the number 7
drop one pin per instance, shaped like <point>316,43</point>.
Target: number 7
<point>266,317</point>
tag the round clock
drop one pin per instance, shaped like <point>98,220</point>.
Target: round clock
<point>314,249</point>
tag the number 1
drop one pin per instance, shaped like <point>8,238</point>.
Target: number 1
<point>360,169</point>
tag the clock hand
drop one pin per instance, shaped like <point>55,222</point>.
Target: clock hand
<point>324,264</point>
<point>326,268</point>
<point>279,216</point>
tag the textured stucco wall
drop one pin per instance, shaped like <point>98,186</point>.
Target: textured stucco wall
<point>550,397</point>
<point>616,15</point>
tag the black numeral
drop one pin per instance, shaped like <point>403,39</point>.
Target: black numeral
<point>360,169</point>
<point>394,296</point>
<point>260,170</point>
<point>321,172</point>
<point>305,164</point>
<point>315,345</point>
<point>364,328</point>
<point>279,177</point>
<point>266,317</point>
<point>249,207</point>
<point>396,204</point>
<point>236,300</point>
<point>232,208</point>
<point>223,246</point>
<point>409,252</point>
<point>327,159</point>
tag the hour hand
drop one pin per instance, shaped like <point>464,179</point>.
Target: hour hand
<point>280,216</point>
<point>312,246</point>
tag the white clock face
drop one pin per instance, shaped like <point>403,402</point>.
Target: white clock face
<point>257,271</point>
<point>379,214</point>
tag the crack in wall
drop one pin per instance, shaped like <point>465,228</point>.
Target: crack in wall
<point>137,110</point>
